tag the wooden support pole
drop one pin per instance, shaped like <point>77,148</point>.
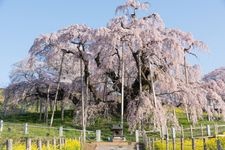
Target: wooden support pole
<point>57,90</point>
<point>41,109</point>
<point>122,88</point>
<point>82,102</point>
<point>191,130</point>
<point>62,109</point>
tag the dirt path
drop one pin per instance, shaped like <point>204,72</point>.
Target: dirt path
<point>110,146</point>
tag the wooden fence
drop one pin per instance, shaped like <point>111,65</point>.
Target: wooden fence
<point>8,130</point>
<point>174,138</point>
<point>171,138</point>
<point>56,143</point>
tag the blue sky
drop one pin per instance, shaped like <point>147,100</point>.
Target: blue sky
<point>21,21</point>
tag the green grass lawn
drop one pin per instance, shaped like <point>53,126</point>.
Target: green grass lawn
<point>204,121</point>
<point>14,126</point>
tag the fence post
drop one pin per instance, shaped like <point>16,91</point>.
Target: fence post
<point>54,143</point>
<point>218,142</point>
<point>193,143</point>
<point>25,128</point>
<point>137,136</point>
<point>181,138</point>
<point>64,141</point>
<point>98,135</point>
<point>149,145</point>
<point>173,137</point>
<point>28,144</point>
<point>167,139</point>
<point>60,143</point>
<point>9,144</point>
<point>39,144</point>
<point>153,145</point>
<point>204,144</point>
<point>60,131</point>
<point>48,144</point>
<point>1,125</point>
<point>208,130</point>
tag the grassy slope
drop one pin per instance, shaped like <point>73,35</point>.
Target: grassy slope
<point>184,122</point>
<point>101,123</point>
<point>14,127</point>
